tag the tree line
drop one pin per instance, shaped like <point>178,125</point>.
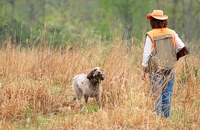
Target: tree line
<point>56,22</point>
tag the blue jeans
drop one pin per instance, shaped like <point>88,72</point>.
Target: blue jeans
<point>162,102</point>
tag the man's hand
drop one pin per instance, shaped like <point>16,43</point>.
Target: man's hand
<point>143,76</point>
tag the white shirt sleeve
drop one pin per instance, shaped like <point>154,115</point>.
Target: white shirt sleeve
<point>147,51</point>
<point>178,41</point>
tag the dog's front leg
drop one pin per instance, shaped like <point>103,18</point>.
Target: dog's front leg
<point>97,100</point>
<point>74,99</point>
<point>86,98</point>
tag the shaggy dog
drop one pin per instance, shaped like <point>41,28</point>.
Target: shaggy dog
<point>88,85</point>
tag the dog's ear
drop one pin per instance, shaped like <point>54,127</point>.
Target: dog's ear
<point>91,74</point>
<point>103,76</point>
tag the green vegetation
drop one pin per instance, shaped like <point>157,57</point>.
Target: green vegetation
<point>58,22</point>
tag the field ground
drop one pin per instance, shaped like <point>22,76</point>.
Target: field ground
<point>35,87</point>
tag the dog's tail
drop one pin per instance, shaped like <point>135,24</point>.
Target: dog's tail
<point>74,83</point>
<point>76,76</point>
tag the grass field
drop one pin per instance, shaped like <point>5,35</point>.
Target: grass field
<point>35,87</point>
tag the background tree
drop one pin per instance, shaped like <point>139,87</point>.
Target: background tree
<point>55,22</point>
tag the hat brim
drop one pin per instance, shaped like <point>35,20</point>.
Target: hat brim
<point>149,16</point>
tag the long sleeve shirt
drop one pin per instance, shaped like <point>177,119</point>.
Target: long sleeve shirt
<point>148,48</point>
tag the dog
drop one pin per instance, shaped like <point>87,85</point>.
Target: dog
<point>88,85</point>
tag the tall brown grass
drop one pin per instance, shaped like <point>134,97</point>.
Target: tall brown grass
<point>35,81</point>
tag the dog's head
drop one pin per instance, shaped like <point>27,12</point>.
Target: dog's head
<point>96,73</point>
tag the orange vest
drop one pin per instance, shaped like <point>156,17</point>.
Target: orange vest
<point>163,49</point>
<point>159,32</point>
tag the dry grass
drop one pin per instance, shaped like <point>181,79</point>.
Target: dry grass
<point>35,87</point>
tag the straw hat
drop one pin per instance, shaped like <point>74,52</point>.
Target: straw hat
<point>157,14</point>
